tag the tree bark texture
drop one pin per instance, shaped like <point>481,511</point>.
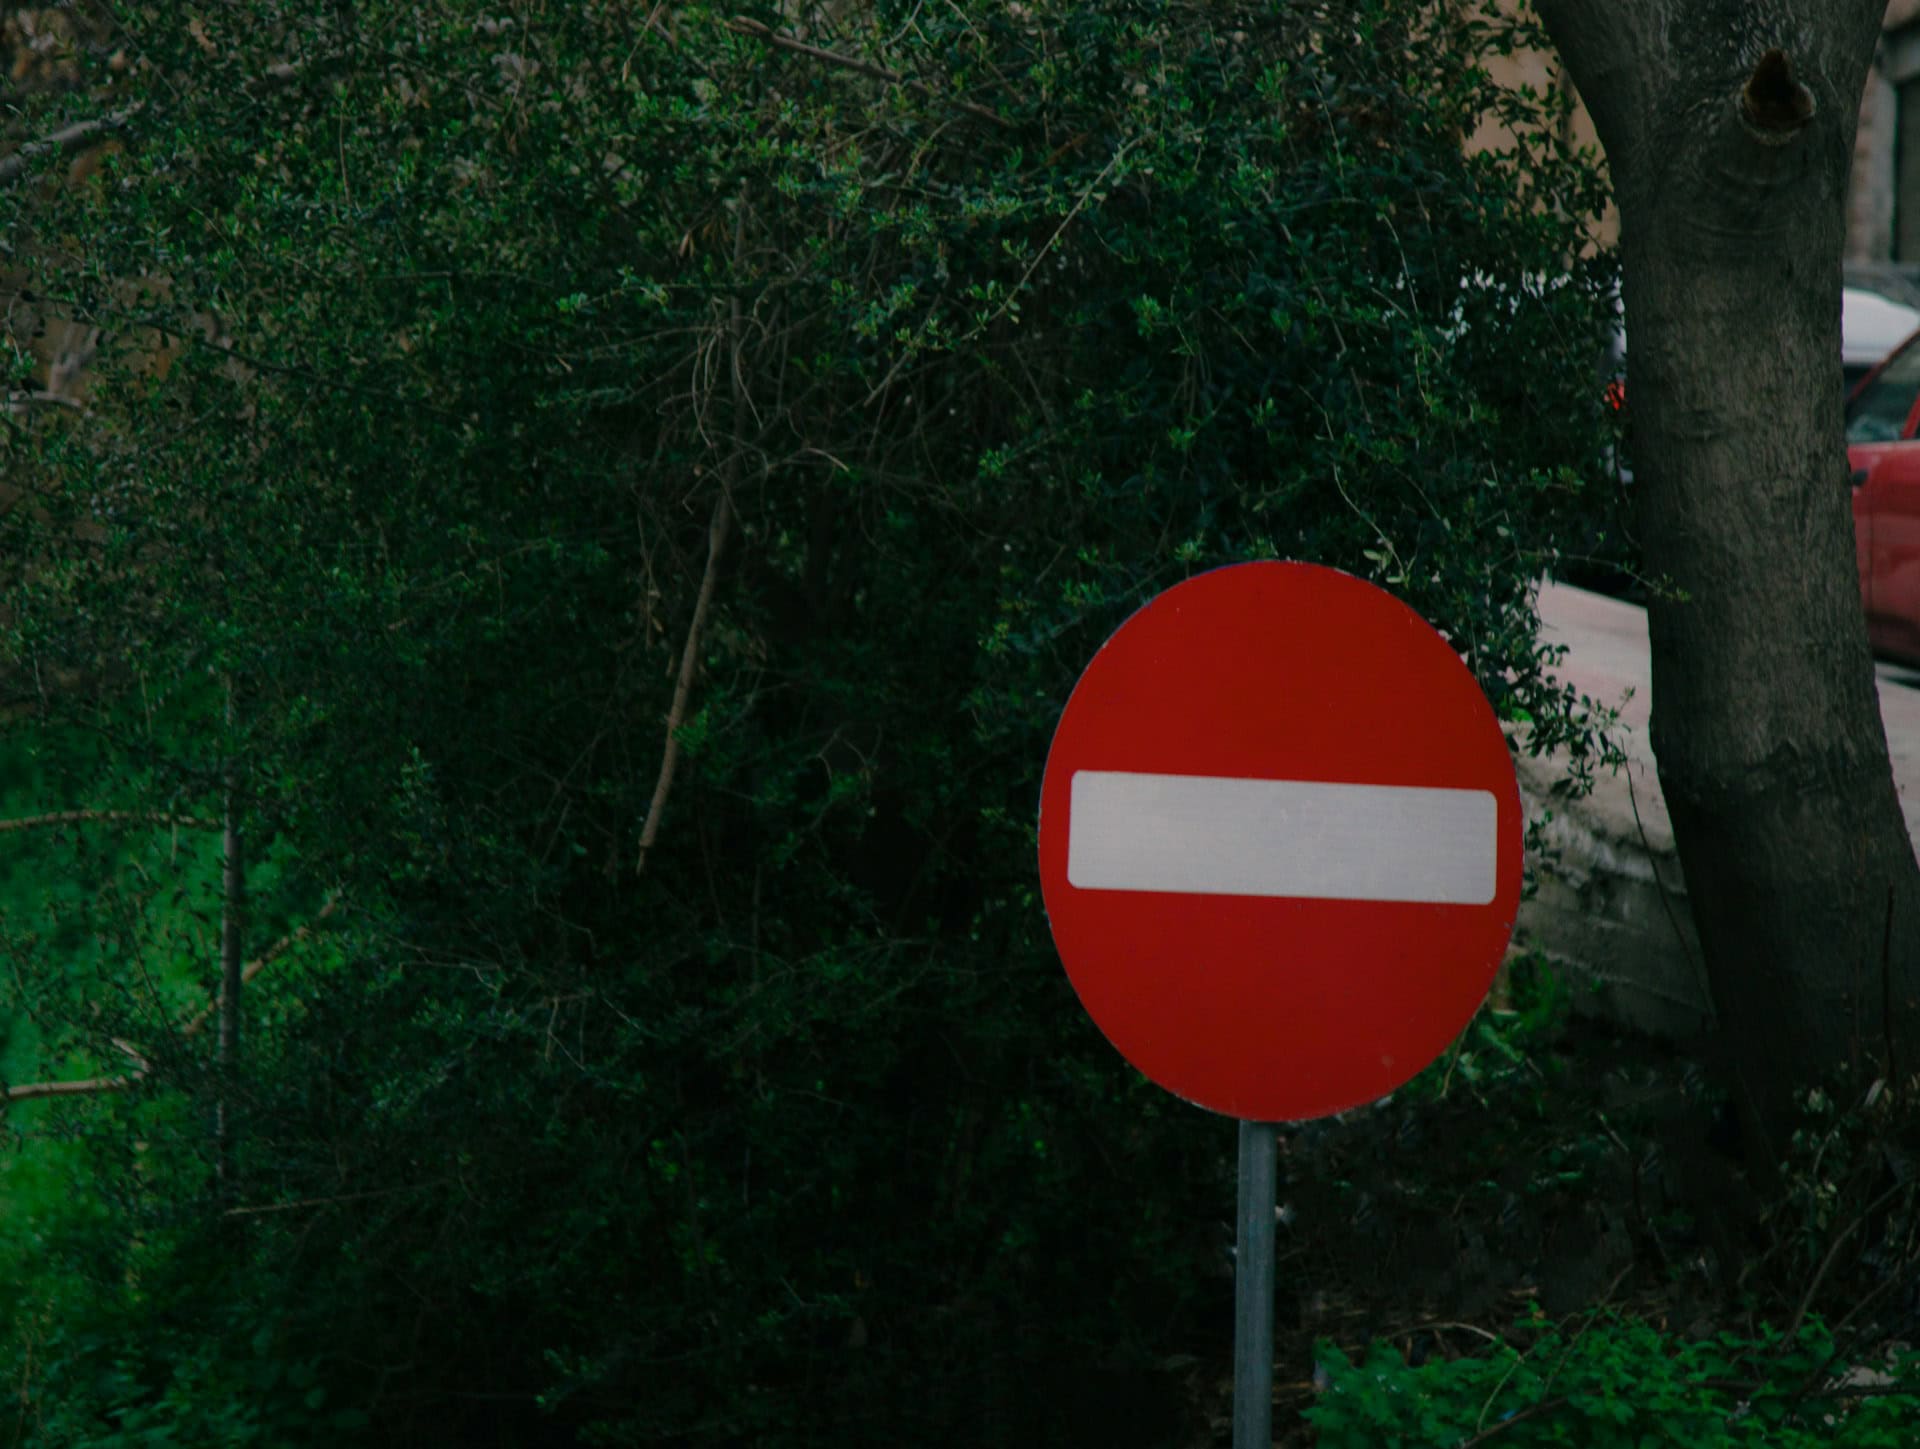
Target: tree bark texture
<point>1729,131</point>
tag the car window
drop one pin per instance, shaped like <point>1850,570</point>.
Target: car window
<point>1878,413</point>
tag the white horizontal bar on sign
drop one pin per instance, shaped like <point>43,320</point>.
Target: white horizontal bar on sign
<point>1221,835</point>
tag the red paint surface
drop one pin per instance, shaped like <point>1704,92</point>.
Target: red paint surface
<point>1883,453</point>
<point>1279,1009</point>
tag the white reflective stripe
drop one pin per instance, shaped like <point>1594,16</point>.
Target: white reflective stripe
<point>1219,835</point>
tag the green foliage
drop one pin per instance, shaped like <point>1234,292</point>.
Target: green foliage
<point>797,1134</point>
<point>1615,1383</point>
<point>1501,1047</point>
<point>1849,1205</point>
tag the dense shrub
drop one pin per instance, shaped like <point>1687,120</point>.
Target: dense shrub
<point>504,332</point>
<point>1614,1383</point>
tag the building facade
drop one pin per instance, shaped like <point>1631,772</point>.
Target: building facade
<point>1883,205</point>
<point>1883,210</point>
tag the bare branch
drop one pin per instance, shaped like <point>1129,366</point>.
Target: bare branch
<point>89,817</point>
<point>170,331</point>
<point>233,927</point>
<point>25,398</point>
<point>1086,195</point>
<point>1603,45</point>
<point>132,1052</point>
<point>27,1091</point>
<point>716,544</point>
<point>683,687</point>
<point>265,959</point>
<point>68,138</point>
<point>307,1202</point>
<point>740,25</point>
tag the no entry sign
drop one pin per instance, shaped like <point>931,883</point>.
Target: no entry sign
<point>1279,841</point>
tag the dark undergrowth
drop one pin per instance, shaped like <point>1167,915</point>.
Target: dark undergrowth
<point>1550,1238</point>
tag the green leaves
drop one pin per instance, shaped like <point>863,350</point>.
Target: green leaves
<point>1610,1382</point>
<point>475,320</point>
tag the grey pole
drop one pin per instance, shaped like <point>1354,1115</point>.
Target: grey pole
<point>1253,1290</point>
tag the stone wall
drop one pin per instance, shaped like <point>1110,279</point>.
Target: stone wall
<point>1609,904</point>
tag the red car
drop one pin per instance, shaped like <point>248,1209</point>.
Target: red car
<point>1883,449</point>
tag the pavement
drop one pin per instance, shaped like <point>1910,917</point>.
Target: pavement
<point>1607,659</point>
<point>1610,899</point>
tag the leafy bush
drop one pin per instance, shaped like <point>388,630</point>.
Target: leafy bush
<point>1614,1383</point>
<point>498,346</point>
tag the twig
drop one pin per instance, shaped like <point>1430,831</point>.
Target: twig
<point>1871,1296</point>
<point>1886,993</point>
<point>27,1091</point>
<point>23,398</point>
<point>129,1050</point>
<point>1806,1299</point>
<point>13,167</point>
<point>233,926</point>
<point>265,959</point>
<point>282,1207</point>
<point>683,687</point>
<point>79,817</point>
<point>1519,1416</point>
<point>740,25</point>
<point>1666,903</point>
<point>1453,1057</point>
<point>1086,195</point>
<point>169,332</point>
<point>716,544</point>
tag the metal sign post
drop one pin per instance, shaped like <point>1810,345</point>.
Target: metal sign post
<point>1253,1290</point>
<point>1284,772</point>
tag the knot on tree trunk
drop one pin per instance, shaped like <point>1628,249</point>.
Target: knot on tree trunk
<point>1773,103</point>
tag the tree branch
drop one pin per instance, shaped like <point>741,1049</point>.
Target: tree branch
<point>132,1052</point>
<point>683,687</point>
<point>1600,44</point>
<point>740,25</point>
<point>1519,1416</point>
<point>265,959</point>
<point>307,1202</point>
<point>29,1090</point>
<point>80,817</point>
<point>716,543</point>
<point>68,138</point>
<point>102,314</point>
<point>25,398</point>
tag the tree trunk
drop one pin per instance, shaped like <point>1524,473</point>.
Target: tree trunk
<point>1729,131</point>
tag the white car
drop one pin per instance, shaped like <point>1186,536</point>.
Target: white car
<point>1871,326</point>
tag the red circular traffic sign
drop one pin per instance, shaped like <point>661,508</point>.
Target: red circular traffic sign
<point>1279,841</point>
